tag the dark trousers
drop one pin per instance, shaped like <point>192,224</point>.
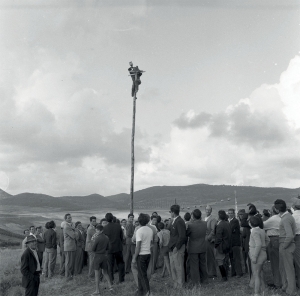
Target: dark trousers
<point>62,263</point>
<point>235,260</point>
<point>130,250</point>
<point>210,259</point>
<point>198,268</point>
<point>118,256</point>
<point>143,282</point>
<point>40,255</point>
<point>33,286</point>
<point>273,248</point>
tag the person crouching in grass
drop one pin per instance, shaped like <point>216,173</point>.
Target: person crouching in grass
<point>100,247</point>
<point>144,237</point>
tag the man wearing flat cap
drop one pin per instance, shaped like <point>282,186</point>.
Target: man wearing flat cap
<point>30,268</point>
<point>296,215</point>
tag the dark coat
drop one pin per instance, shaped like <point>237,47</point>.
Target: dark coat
<point>28,268</point>
<point>246,233</point>
<point>50,239</point>
<point>40,243</point>
<point>196,232</point>
<point>235,233</point>
<point>223,237</point>
<point>114,233</point>
<point>177,234</point>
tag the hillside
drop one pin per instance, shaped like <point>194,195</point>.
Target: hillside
<point>163,196</point>
<point>153,197</point>
<point>4,194</point>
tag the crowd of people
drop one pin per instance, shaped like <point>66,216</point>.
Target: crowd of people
<point>190,249</point>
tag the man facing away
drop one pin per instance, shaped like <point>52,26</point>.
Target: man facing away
<point>62,251</point>
<point>88,244</point>
<point>271,226</point>
<point>115,235</point>
<point>30,268</point>
<point>296,215</point>
<point>40,243</point>
<point>50,249</point>
<point>235,251</point>
<point>70,237</point>
<point>222,242</point>
<point>130,247</point>
<point>196,232</point>
<point>287,231</point>
<point>144,236</point>
<point>177,246</point>
<point>210,243</point>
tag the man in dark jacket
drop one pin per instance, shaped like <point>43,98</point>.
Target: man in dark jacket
<point>40,243</point>
<point>235,250</point>
<point>30,268</point>
<point>222,242</point>
<point>114,233</point>
<point>50,249</point>
<point>196,248</point>
<point>177,246</point>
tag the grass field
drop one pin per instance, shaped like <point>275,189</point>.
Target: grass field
<point>10,283</point>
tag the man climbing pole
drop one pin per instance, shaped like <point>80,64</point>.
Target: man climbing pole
<point>135,74</point>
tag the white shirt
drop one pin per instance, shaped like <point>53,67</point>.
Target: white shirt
<point>144,235</point>
<point>296,216</point>
<point>206,218</point>
<point>174,219</point>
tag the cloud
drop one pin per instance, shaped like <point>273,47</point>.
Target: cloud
<point>254,142</point>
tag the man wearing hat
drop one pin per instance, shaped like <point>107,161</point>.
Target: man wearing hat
<point>296,215</point>
<point>30,268</point>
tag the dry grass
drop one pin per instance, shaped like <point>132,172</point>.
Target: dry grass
<point>10,278</point>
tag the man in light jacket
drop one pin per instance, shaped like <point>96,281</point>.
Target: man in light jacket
<point>69,246</point>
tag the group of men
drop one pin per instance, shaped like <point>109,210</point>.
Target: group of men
<point>190,249</point>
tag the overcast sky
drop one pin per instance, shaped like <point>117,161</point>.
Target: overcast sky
<point>219,102</point>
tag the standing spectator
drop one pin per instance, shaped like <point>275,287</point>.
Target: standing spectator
<point>115,235</point>
<point>164,238</point>
<point>40,243</point>
<point>123,226</point>
<point>258,245</point>
<point>100,247</point>
<point>26,233</point>
<point>69,246</point>
<point>266,215</point>
<point>187,219</point>
<point>142,254</point>
<point>177,246</point>
<point>62,250</point>
<point>210,243</point>
<point>155,249</point>
<point>296,215</point>
<point>80,244</point>
<point>88,245</point>
<point>222,242</point>
<point>32,230</point>
<point>245,242</point>
<point>271,226</point>
<point>287,231</point>
<point>50,250</point>
<point>235,250</point>
<point>30,268</point>
<point>196,232</point>
<point>130,247</point>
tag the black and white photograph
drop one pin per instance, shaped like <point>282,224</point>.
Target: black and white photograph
<point>150,147</point>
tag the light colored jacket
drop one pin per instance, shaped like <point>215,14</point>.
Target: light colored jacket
<point>258,242</point>
<point>69,238</point>
<point>211,226</point>
<point>90,232</point>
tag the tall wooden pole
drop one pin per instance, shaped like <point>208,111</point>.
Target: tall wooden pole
<point>132,153</point>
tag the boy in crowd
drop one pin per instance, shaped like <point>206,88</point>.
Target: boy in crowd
<point>144,236</point>
<point>164,237</point>
<point>100,247</point>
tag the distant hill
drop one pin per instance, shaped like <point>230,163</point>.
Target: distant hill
<point>154,197</point>
<point>163,196</point>
<point>4,194</point>
<point>69,203</point>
